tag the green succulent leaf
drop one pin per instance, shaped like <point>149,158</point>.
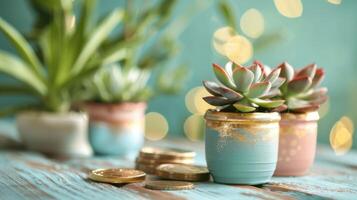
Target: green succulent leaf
<point>243,78</point>
<point>268,103</point>
<point>217,101</point>
<point>273,76</point>
<point>244,108</point>
<point>213,88</point>
<point>318,78</point>
<point>298,85</point>
<point>287,71</point>
<point>259,89</point>
<point>222,76</point>
<point>309,71</point>
<point>278,82</point>
<point>298,105</point>
<point>272,93</point>
<point>257,71</point>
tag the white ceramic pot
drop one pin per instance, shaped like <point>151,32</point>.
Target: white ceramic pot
<point>63,134</point>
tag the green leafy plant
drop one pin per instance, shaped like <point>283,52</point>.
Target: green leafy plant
<point>301,89</point>
<point>145,42</point>
<point>244,89</point>
<point>67,51</point>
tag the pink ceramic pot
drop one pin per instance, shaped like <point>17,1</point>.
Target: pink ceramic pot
<point>297,143</point>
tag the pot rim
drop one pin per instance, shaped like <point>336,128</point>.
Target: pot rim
<point>308,116</point>
<point>242,117</point>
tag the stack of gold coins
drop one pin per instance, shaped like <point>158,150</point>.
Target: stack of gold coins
<point>151,157</point>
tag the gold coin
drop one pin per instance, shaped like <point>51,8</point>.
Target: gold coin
<point>165,153</point>
<point>149,169</point>
<point>117,175</point>
<point>168,185</point>
<point>163,161</point>
<point>183,172</point>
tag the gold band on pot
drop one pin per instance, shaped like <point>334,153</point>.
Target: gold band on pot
<point>244,127</point>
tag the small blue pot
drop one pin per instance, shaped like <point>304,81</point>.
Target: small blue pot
<point>108,140</point>
<point>241,148</point>
<point>116,129</point>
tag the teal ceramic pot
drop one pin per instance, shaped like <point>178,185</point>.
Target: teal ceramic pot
<point>116,129</point>
<point>241,148</point>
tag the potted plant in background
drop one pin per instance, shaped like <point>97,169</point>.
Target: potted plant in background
<point>242,133</point>
<point>66,54</point>
<point>118,93</point>
<point>298,125</point>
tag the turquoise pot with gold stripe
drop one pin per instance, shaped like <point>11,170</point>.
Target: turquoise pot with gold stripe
<point>241,148</point>
<point>116,129</point>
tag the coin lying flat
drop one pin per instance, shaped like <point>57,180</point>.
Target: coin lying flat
<point>165,153</point>
<point>117,175</point>
<point>183,172</point>
<point>169,185</point>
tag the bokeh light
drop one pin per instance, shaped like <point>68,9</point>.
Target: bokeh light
<point>189,100</point>
<point>341,136</point>
<point>200,105</point>
<point>336,2</point>
<point>156,126</point>
<point>194,127</point>
<point>238,49</point>
<point>221,36</point>
<point>252,23</point>
<point>194,102</point>
<point>289,8</point>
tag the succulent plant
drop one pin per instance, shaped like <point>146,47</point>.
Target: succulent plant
<point>301,91</point>
<point>245,89</point>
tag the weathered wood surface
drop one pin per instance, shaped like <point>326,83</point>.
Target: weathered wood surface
<point>29,175</point>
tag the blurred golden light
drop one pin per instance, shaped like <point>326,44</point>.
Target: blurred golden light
<point>336,2</point>
<point>189,100</point>
<point>348,123</point>
<point>323,110</point>
<point>221,36</point>
<point>252,23</point>
<point>341,138</point>
<point>194,102</point>
<point>238,49</point>
<point>289,8</point>
<point>156,126</point>
<point>194,127</point>
<point>200,105</point>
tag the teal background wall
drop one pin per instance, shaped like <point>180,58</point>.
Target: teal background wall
<point>325,34</point>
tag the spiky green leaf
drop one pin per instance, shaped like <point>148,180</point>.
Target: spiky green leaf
<point>23,48</point>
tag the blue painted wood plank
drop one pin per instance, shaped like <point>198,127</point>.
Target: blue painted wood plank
<point>26,175</point>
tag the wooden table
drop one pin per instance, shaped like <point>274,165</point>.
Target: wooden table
<point>29,175</point>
